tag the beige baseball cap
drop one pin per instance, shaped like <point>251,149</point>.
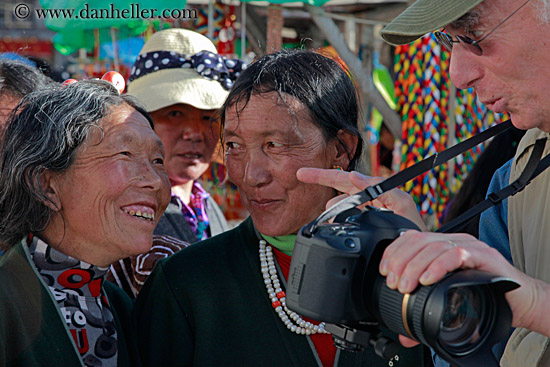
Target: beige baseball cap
<point>425,16</point>
<point>169,86</point>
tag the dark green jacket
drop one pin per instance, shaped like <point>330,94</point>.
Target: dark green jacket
<point>32,330</point>
<point>207,306</point>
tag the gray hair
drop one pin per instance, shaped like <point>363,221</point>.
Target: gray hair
<point>18,79</point>
<point>44,135</point>
<point>544,11</point>
<point>471,19</point>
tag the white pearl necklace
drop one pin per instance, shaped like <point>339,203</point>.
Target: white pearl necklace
<point>291,319</point>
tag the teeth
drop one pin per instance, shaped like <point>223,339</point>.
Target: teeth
<point>139,214</point>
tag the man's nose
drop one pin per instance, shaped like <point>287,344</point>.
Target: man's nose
<point>465,70</point>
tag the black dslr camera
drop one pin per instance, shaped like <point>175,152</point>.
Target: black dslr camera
<point>334,278</point>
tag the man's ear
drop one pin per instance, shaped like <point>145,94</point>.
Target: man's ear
<point>49,184</point>
<point>346,146</point>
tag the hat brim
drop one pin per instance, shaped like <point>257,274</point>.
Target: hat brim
<point>168,87</point>
<point>425,16</point>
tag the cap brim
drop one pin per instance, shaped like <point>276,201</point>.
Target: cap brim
<point>425,16</point>
<point>173,86</point>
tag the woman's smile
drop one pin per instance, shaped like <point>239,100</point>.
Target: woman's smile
<point>265,145</point>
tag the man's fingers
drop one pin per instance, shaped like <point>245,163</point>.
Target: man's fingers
<point>406,342</point>
<point>336,179</point>
<point>362,182</point>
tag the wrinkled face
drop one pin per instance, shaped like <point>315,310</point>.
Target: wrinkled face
<point>189,137</point>
<point>113,195</point>
<point>265,144</point>
<point>512,74</point>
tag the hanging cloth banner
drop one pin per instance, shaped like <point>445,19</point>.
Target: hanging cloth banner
<point>424,96</point>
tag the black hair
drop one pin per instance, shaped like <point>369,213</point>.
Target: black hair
<point>313,79</point>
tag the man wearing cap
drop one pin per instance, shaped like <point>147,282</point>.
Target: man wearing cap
<point>182,81</point>
<point>499,48</point>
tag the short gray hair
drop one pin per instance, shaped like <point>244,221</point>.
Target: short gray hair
<point>44,135</point>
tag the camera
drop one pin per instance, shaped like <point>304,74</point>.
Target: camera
<point>334,278</point>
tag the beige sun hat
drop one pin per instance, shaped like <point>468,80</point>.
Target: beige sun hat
<point>425,16</point>
<point>166,87</point>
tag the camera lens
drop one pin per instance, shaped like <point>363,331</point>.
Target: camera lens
<point>456,320</point>
<point>463,316</point>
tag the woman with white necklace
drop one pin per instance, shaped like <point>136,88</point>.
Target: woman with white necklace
<point>223,303</point>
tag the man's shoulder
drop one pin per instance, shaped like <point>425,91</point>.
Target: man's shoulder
<point>501,176</point>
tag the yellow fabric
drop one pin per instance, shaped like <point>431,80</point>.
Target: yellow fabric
<point>529,233</point>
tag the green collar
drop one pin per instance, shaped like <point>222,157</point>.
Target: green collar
<point>284,244</point>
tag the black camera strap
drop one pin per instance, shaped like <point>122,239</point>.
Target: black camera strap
<point>374,191</point>
<point>533,168</point>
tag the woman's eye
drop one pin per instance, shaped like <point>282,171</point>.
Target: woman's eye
<point>175,114</point>
<point>126,153</point>
<point>274,145</point>
<point>158,161</point>
<point>231,145</point>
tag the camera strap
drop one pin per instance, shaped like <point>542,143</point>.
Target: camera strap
<point>400,178</point>
<point>533,168</point>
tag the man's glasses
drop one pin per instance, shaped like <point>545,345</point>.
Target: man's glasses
<point>471,45</point>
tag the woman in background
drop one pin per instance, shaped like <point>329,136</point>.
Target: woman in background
<point>182,82</point>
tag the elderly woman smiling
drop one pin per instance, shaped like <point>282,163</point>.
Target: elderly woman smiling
<point>83,185</point>
<point>286,111</point>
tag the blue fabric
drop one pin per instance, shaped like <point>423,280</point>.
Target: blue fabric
<point>206,63</point>
<point>493,230</point>
<point>493,225</point>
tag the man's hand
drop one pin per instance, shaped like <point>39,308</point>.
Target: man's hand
<point>425,258</point>
<point>351,183</point>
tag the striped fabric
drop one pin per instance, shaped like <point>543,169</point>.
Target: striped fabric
<point>130,273</point>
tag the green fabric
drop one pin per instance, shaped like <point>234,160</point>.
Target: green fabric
<point>384,83</point>
<point>67,42</point>
<point>282,243</point>
<point>207,306</point>
<point>76,20</point>
<point>32,331</point>
<point>425,16</point>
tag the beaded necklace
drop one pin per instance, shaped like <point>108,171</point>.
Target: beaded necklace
<point>291,319</point>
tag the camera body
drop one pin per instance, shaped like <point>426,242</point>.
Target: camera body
<point>330,271</point>
<point>334,278</point>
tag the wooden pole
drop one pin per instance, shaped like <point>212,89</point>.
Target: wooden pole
<point>334,36</point>
<point>274,28</point>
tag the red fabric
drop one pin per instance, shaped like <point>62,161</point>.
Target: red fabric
<point>323,342</point>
